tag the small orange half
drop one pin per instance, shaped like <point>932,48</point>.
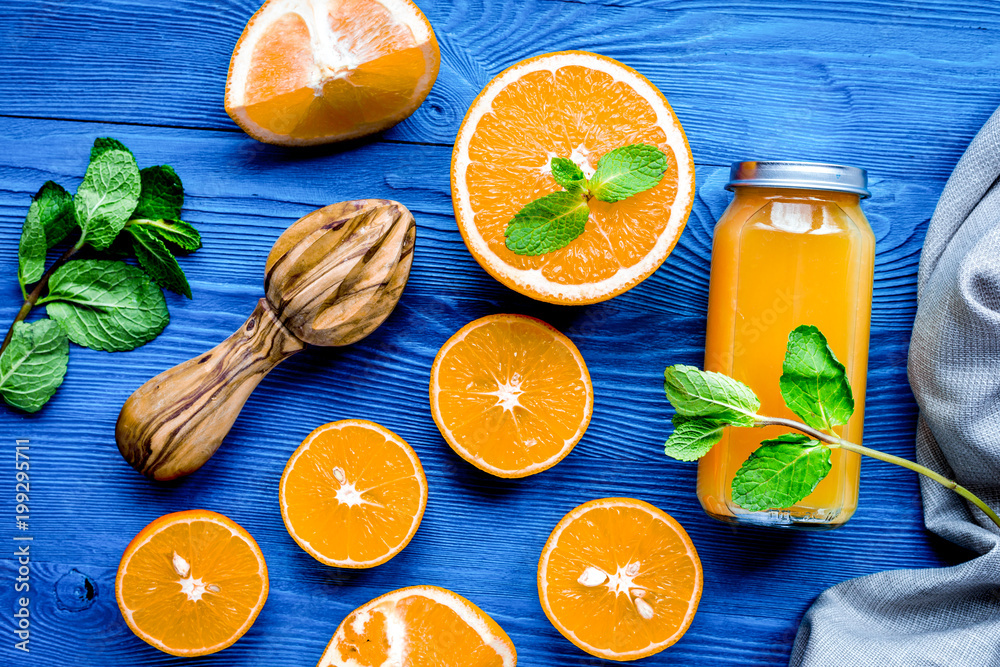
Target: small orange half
<point>191,583</point>
<point>420,626</point>
<point>511,394</point>
<point>315,71</point>
<point>620,579</point>
<point>579,106</point>
<point>353,494</point>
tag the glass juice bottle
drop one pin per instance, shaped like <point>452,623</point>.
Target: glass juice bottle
<point>792,248</point>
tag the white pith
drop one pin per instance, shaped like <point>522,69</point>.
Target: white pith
<point>622,581</point>
<point>349,494</point>
<point>508,392</point>
<point>332,57</point>
<point>505,397</point>
<point>580,157</point>
<point>396,630</point>
<point>532,280</point>
<point>193,588</point>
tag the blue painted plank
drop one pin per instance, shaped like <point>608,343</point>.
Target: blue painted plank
<point>898,86</point>
<point>481,536</point>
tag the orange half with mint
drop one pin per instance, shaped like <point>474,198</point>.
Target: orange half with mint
<point>579,106</point>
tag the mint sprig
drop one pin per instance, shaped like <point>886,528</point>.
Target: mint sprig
<point>98,303</point>
<point>786,469</point>
<point>552,222</point>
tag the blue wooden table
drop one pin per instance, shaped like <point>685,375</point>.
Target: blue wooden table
<point>897,86</point>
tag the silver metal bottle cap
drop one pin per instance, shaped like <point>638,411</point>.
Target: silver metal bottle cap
<point>799,175</point>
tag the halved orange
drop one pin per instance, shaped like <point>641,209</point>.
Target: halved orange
<point>580,106</point>
<point>620,579</point>
<point>314,71</point>
<point>511,395</point>
<point>353,494</point>
<point>191,583</point>
<point>419,626</point>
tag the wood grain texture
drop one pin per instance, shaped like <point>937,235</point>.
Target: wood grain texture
<point>896,86</point>
<point>336,274</point>
<point>331,279</point>
<point>175,421</point>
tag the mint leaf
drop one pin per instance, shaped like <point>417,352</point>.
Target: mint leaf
<point>813,383</point>
<point>50,218</point>
<point>547,224</point>
<point>106,304</point>
<point>33,365</point>
<point>107,196</point>
<point>177,232</point>
<point>627,171</point>
<point>567,174</point>
<point>55,209</point>
<point>102,144</point>
<point>31,249</point>
<point>697,393</point>
<point>693,437</point>
<point>553,221</point>
<point>780,473</point>
<point>162,194</point>
<point>157,261</point>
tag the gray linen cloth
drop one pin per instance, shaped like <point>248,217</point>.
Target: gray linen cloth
<point>948,616</point>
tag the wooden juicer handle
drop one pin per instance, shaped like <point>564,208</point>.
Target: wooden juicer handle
<point>332,278</point>
<point>183,414</point>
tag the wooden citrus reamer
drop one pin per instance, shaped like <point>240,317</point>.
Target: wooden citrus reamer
<point>331,279</point>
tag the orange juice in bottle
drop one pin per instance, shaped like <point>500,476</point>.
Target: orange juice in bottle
<point>792,248</point>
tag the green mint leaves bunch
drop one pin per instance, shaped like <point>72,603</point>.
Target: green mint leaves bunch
<point>785,469</point>
<point>552,222</point>
<point>98,302</point>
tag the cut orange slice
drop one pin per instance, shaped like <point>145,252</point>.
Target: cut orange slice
<point>620,579</point>
<point>353,494</point>
<point>419,626</point>
<point>579,106</point>
<point>511,395</point>
<point>191,583</point>
<point>314,71</point>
